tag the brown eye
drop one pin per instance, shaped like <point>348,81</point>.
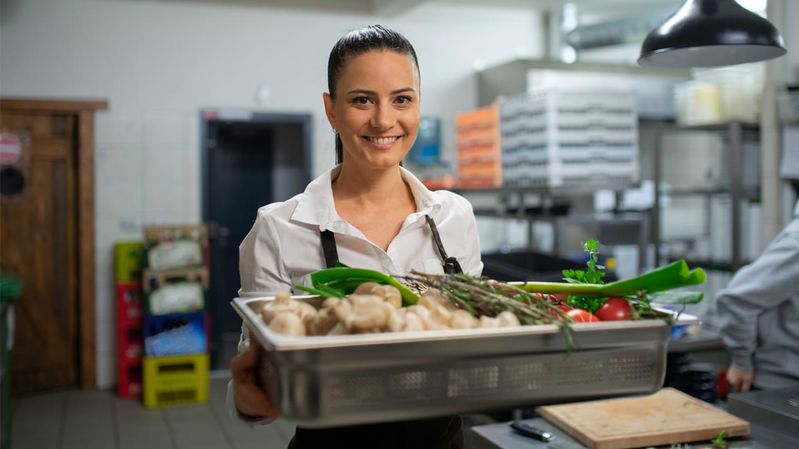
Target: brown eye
<point>404,99</point>
<point>360,100</point>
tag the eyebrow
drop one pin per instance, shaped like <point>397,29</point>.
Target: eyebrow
<point>371,92</point>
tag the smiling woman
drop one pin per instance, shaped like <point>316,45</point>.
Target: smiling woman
<point>367,212</point>
<point>376,112</point>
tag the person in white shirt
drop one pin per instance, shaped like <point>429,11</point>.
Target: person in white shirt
<point>367,212</point>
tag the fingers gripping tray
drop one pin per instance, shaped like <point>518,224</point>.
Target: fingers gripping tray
<point>324,381</point>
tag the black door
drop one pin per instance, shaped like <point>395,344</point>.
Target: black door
<point>247,163</point>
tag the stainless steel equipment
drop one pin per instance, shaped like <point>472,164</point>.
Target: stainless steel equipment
<point>323,381</point>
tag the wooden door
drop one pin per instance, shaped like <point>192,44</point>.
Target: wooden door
<point>38,237</point>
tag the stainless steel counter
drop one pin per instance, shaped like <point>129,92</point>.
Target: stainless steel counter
<point>500,436</point>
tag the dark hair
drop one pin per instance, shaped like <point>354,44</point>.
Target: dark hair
<point>358,42</point>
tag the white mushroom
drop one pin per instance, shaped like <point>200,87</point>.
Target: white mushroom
<point>306,311</point>
<point>369,319</point>
<point>360,302</point>
<point>369,288</point>
<point>338,329</point>
<point>413,322</point>
<point>487,321</point>
<point>396,320</point>
<point>343,311</point>
<point>441,315</point>
<point>392,296</point>
<point>329,303</point>
<point>322,323</point>
<point>284,303</point>
<point>389,293</point>
<point>287,323</point>
<point>462,319</point>
<point>422,315</point>
<point>436,297</point>
<point>426,316</point>
<point>508,319</point>
<point>362,312</point>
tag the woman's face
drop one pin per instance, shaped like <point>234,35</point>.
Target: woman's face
<point>376,109</point>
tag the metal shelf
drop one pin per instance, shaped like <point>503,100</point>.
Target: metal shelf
<point>717,127</point>
<point>571,190</point>
<point>734,132</point>
<point>751,195</point>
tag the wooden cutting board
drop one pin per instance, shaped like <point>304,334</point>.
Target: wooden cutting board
<point>666,417</point>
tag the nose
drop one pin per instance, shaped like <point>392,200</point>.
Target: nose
<point>383,117</point>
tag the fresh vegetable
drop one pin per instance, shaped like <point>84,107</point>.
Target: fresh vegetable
<point>720,442</point>
<point>487,299</point>
<point>373,308</point>
<point>581,316</point>
<point>615,309</point>
<point>463,301</point>
<point>480,297</point>
<point>592,275</point>
<point>344,280</point>
<point>674,275</point>
<point>594,272</point>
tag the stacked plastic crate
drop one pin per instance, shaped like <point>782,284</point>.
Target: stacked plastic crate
<point>176,323</point>
<point>479,153</point>
<point>127,276</point>
<point>557,138</point>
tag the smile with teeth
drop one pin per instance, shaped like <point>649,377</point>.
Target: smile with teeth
<point>382,140</point>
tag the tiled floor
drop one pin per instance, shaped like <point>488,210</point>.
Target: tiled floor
<point>99,420</point>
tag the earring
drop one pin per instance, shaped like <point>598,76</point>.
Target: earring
<point>335,131</point>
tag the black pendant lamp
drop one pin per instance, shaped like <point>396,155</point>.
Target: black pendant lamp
<point>711,33</point>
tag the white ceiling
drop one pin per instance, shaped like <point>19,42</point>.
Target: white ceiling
<point>393,8</point>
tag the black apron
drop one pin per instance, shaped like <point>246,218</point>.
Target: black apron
<point>437,433</point>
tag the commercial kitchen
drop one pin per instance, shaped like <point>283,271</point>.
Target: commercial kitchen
<point>490,224</point>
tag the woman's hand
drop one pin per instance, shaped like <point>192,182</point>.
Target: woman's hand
<point>248,395</point>
<point>740,380</point>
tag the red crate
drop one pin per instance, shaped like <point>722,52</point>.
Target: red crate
<point>129,305</point>
<point>129,374</point>
<point>130,344</point>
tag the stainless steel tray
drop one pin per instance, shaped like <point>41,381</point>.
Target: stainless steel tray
<point>356,379</point>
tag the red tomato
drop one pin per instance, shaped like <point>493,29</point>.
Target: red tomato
<point>615,309</point>
<point>563,308</point>
<point>582,316</point>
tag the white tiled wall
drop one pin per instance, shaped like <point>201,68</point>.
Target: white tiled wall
<point>147,171</point>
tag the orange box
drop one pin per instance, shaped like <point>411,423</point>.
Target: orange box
<point>478,147</point>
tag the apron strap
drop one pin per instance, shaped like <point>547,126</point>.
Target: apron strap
<point>329,248</point>
<point>451,265</point>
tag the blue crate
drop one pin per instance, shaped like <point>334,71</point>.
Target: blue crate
<point>175,334</point>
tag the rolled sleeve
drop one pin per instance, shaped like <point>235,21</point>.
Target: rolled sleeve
<point>261,267</point>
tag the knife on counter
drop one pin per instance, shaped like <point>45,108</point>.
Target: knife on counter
<point>531,431</point>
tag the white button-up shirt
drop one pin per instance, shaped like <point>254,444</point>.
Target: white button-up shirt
<point>284,247</point>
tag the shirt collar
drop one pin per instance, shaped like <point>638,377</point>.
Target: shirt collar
<point>316,205</point>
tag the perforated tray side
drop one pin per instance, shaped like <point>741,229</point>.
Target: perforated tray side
<point>319,382</point>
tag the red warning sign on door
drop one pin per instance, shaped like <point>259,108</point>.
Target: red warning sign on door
<point>10,148</point>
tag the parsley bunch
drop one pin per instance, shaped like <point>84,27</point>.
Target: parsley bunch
<point>592,275</point>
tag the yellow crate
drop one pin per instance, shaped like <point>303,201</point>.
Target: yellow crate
<point>128,261</point>
<point>175,380</point>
